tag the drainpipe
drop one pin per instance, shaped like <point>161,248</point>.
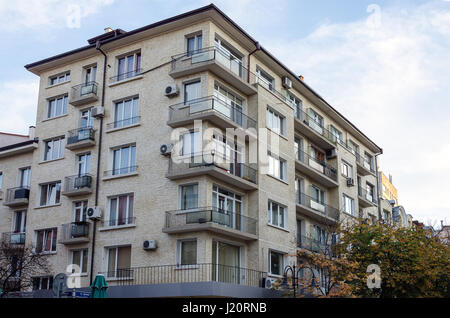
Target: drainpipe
<point>97,179</point>
<point>257,48</point>
<point>378,185</point>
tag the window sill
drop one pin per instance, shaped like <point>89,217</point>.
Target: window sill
<point>125,80</point>
<point>278,179</point>
<point>56,85</point>
<point>184,267</point>
<point>46,253</point>
<point>278,228</point>
<point>47,206</point>
<point>122,128</point>
<point>47,161</point>
<point>278,134</point>
<point>118,227</point>
<point>56,117</point>
<point>131,174</point>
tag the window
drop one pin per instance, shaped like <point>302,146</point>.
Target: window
<point>90,74</point>
<point>275,122</point>
<point>347,169</point>
<point>129,66</point>
<point>119,261</point>
<point>265,79</point>
<point>228,56</point>
<point>50,193</point>
<point>1,179</point>
<point>297,104</point>
<point>194,43</point>
<point>46,241</point>
<point>349,204</point>
<point>25,174</point>
<point>190,143</point>
<point>232,104</point>
<point>276,263</point>
<point>227,202</point>
<point>61,78</point>
<point>370,191</point>
<point>121,210</point>
<point>80,258</point>
<point>86,119</point>
<point>189,196</point>
<point>187,252</point>
<point>83,164</point>
<point>368,161</point>
<point>126,112</point>
<point>298,148</point>
<point>276,214</point>
<point>354,148</point>
<point>20,221</point>
<point>54,149</point>
<point>57,106</point>
<point>79,211</point>
<point>124,160</point>
<point>317,155</point>
<point>336,135</point>
<point>317,195</point>
<point>316,121</point>
<point>192,91</point>
<point>42,283</point>
<point>277,167</point>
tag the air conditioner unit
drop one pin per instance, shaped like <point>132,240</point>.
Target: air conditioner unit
<point>149,245</point>
<point>269,283</point>
<point>287,83</point>
<point>94,213</point>
<point>171,90</point>
<point>166,149</point>
<point>350,182</point>
<point>98,111</point>
<point>331,153</point>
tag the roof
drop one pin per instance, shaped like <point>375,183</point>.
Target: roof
<point>120,34</point>
<point>20,144</point>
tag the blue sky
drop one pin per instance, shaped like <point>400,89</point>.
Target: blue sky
<point>384,64</point>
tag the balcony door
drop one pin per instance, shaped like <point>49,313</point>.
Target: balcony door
<point>84,164</point>
<point>20,220</point>
<point>300,190</point>
<point>227,208</point>
<point>90,74</point>
<point>229,57</point>
<point>24,175</point>
<point>226,262</point>
<point>317,199</point>
<point>79,211</point>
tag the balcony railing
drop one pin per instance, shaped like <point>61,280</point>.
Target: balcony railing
<point>315,245</point>
<point>207,160</point>
<point>80,134</point>
<point>77,183</point>
<point>318,165</point>
<point>363,193</point>
<point>120,171</point>
<point>364,162</point>
<point>315,126</point>
<point>227,219</point>
<point>119,222</point>
<point>195,107</point>
<point>123,123</point>
<point>74,230</point>
<point>14,238</point>
<point>84,89</point>
<point>17,196</point>
<point>316,205</point>
<point>193,273</point>
<point>124,76</point>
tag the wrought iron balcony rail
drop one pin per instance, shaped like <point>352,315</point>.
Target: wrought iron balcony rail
<point>315,126</point>
<point>202,215</point>
<point>124,122</point>
<point>205,159</point>
<point>80,134</point>
<point>83,89</point>
<point>201,105</point>
<point>120,171</point>
<point>188,273</point>
<point>315,245</point>
<point>321,166</point>
<point>371,197</point>
<point>14,238</point>
<point>119,221</point>
<point>16,194</point>
<point>320,207</point>
<point>74,230</point>
<point>124,76</point>
<point>77,182</point>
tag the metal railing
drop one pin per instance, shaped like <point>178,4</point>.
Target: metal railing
<point>83,89</point>
<point>211,214</point>
<point>366,195</point>
<point>315,126</point>
<point>206,159</point>
<point>320,207</point>
<point>206,272</point>
<point>14,238</point>
<point>321,166</point>
<point>315,245</point>
<point>364,162</point>
<point>77,182</point>
<point>119,221</point>
<point>120,171</point>
<point>17,194</point>
<point>197,106</point>
<point>123,123</point>
<point>74,230</point>
<point>80,134</point>
<point>123,76</point>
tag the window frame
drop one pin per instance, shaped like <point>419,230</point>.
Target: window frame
<point>50,150</point>
<point>281,167</point>
<point>84,260</point>
<point>280,258</point>
<point>57,189</point>
<point>131,166</point>
<point>52,112</point>
<point>129,212</point>
<point>281,214</point>
<point>53,240</point>
<point>58,77</point>
<point>182,203</point>
<point>197,37</point>
<point>271,116</point>
<point>180,252</point>
<point>344,205</point>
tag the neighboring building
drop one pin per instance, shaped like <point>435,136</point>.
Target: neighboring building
<point>388,190</point>
<point>444,233</point>
<point>7,139</point>
<point>194,223</point>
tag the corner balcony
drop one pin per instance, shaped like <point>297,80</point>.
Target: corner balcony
<point>319,211</point>
<point>213,220</point>
<point>215,60</point>
<point>13,238</point>
<point>366,199</point>
<point>315,246</point>
<point>74,233</point>
<point>212,109</point>
<point>80,138</point>
<point>77,185</point>
<point>236,174</point>
<point>16,197</point>
<point>319,171</point>
<point>315,132</point>
<point>363,166</point>
<point>84,93</point>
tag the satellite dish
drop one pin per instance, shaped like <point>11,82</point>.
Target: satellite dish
<point>59,284</point>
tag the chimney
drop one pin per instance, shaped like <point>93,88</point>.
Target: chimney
<point>31,132</point>
<point>108,29</point>
<point>301,77</point>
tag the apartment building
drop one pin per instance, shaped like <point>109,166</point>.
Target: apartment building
<point>137,124</point>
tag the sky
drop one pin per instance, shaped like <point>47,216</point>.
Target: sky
<point>385,65</point>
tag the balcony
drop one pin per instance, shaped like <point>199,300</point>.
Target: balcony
<point>74,233</point>
<point>215,60</point>
<point>122,77</point>
<point>317,210</point>
<point>237,174</point>
<point>17,196</point>
<point>209,108</point>
<point>13,238</point>
<point>364,166</point>
<point>77,185</point>
<point>213,220</point>
<point>80,138</point>
<point>366,199</point>
<point>313,245</point>
<point>320,171</point>
<point>83,94</point>
<point>310,128</point>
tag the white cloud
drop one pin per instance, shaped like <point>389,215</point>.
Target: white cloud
<point>392,82</point>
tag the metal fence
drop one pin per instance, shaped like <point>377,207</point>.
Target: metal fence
<point>321,166</point>
<point>13,238</point>
<point>81,90</point>
<point>119,221</point>
<point>77,182</point>
<point>371,197</point>
<point>315,245</point>
<point>80,134</point>
<point>124,76</point>
<point>124,122</point>
<point>16,194</point>
<point>74,230</point>
<point>315,205</point>
<point>119,171</point>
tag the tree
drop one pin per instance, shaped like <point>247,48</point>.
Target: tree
<point>18,265</point>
